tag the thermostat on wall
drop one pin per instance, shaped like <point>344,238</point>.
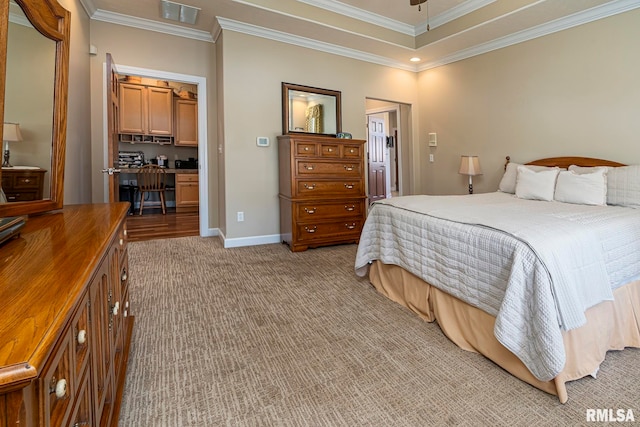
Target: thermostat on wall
<point>262,141</point>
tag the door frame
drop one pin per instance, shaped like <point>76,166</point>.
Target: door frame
<point>393,107</point>
<point>203,164</point>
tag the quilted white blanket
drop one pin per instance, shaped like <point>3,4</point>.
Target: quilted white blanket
<point>536,266</point>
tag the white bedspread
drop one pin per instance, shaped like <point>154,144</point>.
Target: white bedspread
<point>536,266</point>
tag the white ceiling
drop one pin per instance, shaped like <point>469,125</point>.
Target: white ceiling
<point>387,32</point>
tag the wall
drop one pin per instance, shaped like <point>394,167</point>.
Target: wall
<point>574,92</point>
<point>149,50</point>
<point>254,69</point>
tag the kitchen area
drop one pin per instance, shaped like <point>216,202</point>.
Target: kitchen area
<point>157,124</point>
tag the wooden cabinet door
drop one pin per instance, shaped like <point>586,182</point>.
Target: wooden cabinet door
<point>186,126</point>
<point>133,109</point>
<point>187,189</point>
<point>160,111</point>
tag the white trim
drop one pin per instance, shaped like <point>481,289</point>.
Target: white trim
<point>579,18</point>
<point>203,166</point>
<point>250,241</point>
<point>254,30</point>
<point>89,7</point>
<point>149,25</point>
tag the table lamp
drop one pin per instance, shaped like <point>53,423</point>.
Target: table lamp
<point>470,165</point>
<point>10,133</point>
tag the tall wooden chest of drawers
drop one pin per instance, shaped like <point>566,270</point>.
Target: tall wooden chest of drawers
<point>322,190</point>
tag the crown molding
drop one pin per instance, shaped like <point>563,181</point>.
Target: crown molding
<point>149,25</point>
<point>89,7</point>
<point>584,17</point>
<point>362,15</point>
<point>454,13</point>
<point>254,30</point>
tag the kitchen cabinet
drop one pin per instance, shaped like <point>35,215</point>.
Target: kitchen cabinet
<point>186,122</point>
<point>187,192</point>
<point>145,110</point>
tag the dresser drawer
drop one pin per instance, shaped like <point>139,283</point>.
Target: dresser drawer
<point>22,196</point>
<point>311,211</point>
<point>352,151</point>
<point>323,230</point>
<point>81,338</point>
<point>303,148</point>
<point>27,181</point>
<point>329,150</point>
<point>321,188</point>
<point>318,167</point>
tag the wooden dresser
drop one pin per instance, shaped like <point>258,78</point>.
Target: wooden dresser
<point>322,190</point>
<point>65,325</point>
<point>22,185</point>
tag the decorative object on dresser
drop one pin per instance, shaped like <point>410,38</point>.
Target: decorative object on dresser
<point>470,165</point>
<point>66,322</point>
<point>23,183</point>
<point>322,190</point>
<point>10,133</point>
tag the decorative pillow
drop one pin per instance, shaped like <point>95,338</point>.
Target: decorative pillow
<point>508,181</point>
<point>587,169</point>
<point>582,188</point>
<point>623,186</point>
<point>536,185</point>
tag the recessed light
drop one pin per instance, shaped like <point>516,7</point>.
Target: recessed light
<point>415,59</point>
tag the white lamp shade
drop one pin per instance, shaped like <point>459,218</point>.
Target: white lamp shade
<point>11,132</point>
<point>470,165</point>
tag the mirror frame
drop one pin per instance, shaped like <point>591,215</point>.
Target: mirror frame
<point>286,87</point>
<point>52,21</point>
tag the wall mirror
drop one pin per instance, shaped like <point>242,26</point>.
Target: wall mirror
<point>310,110</point>
<point>34,46</point>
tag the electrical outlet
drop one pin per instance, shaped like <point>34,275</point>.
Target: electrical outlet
<point>133,182</point>
<point>240,216</point>
<point>431,158</point>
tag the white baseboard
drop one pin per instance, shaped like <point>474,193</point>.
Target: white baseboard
<point>250,241</point>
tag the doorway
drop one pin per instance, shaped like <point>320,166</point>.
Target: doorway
<point>387,122</point>
<point>202,155</point>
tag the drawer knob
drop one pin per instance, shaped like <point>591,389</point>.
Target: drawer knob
<point>61,388</point>
<point>350,226</point>
<point>306,148</point>
<point>348,186</point>
<point>27,180</point>
<point>311,229</point>
<point>350,208</point>
<point>123,277</point>
<point>310,186</point>
<point>352,150</point>
<point>125,232</point>
<point>82,336</point>
<point>121,241</point>
<point>330,150</point>
<point>348,168</point>
<point>310,211</point>
<point>115,308</point>
<point>309,167</point>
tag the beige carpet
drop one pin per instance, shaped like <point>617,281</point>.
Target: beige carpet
<point>260,336</point>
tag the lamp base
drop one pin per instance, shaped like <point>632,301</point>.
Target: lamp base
<point>470,188</point>
<point>6,163</point>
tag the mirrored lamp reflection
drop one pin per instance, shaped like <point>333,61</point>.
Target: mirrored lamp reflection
<point>10,133</point>
<point>470,165</point>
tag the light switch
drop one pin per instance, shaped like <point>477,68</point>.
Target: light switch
<point>433,140</point>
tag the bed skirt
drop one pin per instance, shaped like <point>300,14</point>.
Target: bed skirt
<point>611,325</point>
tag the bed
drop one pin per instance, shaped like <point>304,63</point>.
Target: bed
<point>542,277</point>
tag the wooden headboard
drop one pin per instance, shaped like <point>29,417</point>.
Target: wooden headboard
<point>565,162</point>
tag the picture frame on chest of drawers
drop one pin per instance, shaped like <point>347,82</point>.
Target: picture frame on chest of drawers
<point>321,176</point>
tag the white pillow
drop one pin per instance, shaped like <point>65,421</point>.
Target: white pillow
<point>588,169</point>
<point>582,188</point>
<point>623,186</point>
<point>508,181</point>
<point>536,185</point>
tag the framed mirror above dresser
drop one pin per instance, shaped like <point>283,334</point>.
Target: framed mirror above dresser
<point>33,31</point>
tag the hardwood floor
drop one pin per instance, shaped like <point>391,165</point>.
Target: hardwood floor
<point>153,225</point>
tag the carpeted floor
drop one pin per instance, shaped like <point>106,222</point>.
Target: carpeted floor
<point>260,336</point>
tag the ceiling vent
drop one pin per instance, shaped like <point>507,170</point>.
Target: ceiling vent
<point>179,12</point>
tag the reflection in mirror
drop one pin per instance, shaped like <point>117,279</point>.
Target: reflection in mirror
<point>310,110</point>
<point>29,102</point>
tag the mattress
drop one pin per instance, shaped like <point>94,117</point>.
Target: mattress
<point>536,267</point>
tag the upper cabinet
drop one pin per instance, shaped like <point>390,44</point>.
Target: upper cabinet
<point>186,122</point>
<point>146,110</point>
